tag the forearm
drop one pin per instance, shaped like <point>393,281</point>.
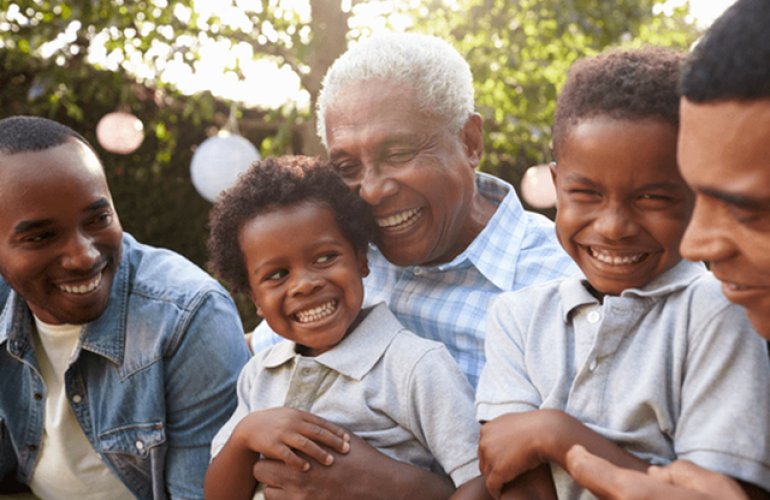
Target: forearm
<point>535,484</point>
<point>475,489</point>
<point>569,431</point>
<point>391,479</point>
<point>230,475</point>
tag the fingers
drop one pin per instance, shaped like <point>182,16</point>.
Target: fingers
<point>688,475</point>
<point>599,476</point>
<point>324,432</point>
<point>609,482</point>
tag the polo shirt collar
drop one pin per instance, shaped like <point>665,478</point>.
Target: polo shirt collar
<point>574,290</point>
<point>358,353</point>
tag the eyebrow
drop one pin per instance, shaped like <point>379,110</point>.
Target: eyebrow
<point>670,186</point>
<point>29,225</point>
<point>737,200</point>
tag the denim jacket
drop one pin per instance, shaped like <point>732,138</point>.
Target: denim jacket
<point>153,378</point>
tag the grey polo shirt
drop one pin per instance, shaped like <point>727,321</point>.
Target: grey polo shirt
<point>404,395</point>
<point>671,370</point>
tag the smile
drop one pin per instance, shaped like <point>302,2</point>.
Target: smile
<point>317,313</point>
<point>81,289</point>
<point>615,259</point>
<point>401,220</point>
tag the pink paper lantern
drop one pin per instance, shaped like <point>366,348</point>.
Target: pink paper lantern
<point>120,132</point>
<point>537,187</point>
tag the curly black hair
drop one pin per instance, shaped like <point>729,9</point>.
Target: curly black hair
<point>275,183</point>
<point>732,60</point>
<point>623,84</point>
<point>23,134</point>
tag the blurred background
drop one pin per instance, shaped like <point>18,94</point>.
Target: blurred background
<point>157,78</point>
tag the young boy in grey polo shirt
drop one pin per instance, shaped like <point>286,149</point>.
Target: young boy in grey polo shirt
<point>628,358</point>
<point>293,237</point>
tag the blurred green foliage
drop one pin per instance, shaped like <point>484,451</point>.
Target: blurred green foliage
<point>519,52</point>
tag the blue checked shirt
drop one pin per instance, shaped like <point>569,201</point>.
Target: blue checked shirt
<point>448,302</point>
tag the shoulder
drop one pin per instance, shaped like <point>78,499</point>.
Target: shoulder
<point>164,275</point>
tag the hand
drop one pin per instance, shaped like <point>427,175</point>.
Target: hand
<point>280,433</point>
<point>362,473</point>
<point>680,480</point>
<point>508,447</point>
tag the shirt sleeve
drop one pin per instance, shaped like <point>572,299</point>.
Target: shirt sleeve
<point>724,423</point>
<point>200,380</point>
<point>441,414</point>
<point>505,386</point>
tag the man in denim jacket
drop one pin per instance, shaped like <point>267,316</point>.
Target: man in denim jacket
<point>118,361</point>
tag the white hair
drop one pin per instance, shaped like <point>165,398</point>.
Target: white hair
<point>441,77</point>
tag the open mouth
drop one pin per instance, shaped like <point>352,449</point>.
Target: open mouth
<point>83,288</point>
<point>400,221</point>
<point>616,259</point>
<point>316,313</point>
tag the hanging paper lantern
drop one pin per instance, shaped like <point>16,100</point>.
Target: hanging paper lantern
<point>120,132</point>
<point>218,162</point>
<point>537,187</point>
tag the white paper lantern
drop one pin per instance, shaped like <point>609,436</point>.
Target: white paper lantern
<point>218,162</point>
<point>120,132</point>
<point>537,187</point>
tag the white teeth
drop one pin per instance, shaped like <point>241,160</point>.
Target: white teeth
<point>317,313</point>
<point>399,221</point>
<point>615,260</point>
<point>82,288</point>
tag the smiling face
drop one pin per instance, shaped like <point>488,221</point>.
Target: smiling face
<point>305,277</point>
<point>411,168</point>
<point>60,238</point>
<point>724,155</point>
<point>622,206</point>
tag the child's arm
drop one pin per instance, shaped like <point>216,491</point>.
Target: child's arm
<point>517,442</point>
<point>275,433</point>
<point>535,484</point>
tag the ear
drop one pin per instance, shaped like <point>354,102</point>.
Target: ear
<point>256,303</point>
<point>472,136</point>
<point>552,165</point>
<point>363,263</point>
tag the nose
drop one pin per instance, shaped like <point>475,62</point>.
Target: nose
<point>80,252</point>
<point>707,237</point>
<point>376,185</point>
<point>615,223</point>
<point>305,282</point>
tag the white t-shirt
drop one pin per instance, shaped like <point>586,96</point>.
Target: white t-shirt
<point>67,466</point>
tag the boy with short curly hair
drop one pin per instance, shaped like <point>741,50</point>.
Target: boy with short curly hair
<point>627,358</point>
<point>293,237</point>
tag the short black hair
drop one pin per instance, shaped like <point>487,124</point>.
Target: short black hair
<point>622,84</point>
<point>732,60</point>
<point>23,134</point>
<point>275,183</point>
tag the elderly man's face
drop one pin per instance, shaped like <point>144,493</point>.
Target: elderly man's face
<point>417,174</point>
<point>60,238</point>
<point>724,155</point>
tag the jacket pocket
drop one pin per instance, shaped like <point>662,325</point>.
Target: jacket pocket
<point>136,454</point>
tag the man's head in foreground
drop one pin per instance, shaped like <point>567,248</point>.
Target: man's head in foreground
<point>724,155</point>
<point>60,238</point>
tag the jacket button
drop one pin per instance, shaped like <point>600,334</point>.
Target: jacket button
<point>139,445</point>
<point>32,447</point>
<point>77,398</point>
<point>38,396</point>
